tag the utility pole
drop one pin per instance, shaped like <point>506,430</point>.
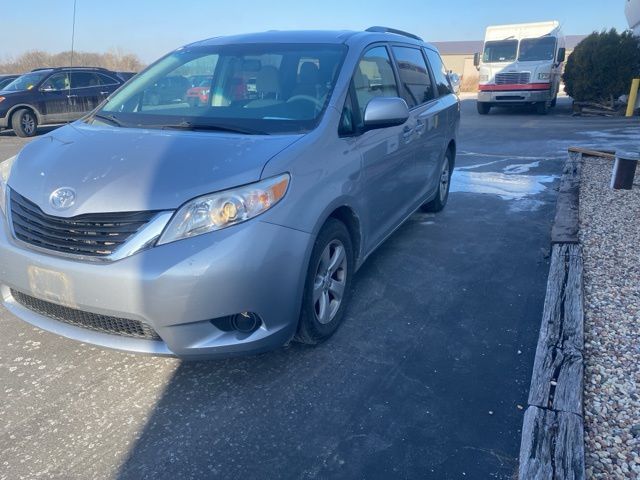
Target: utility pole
<point>73,32</point>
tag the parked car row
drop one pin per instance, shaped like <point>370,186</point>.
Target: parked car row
<point>54,95</point>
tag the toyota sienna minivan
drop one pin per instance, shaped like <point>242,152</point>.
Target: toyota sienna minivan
<point>236,223</point>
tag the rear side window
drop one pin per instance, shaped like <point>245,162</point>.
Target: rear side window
<point>414,76</point>
<point>439,73</point>
<point>106,80</point>
<point>84,80</point>
<point>374,78</point>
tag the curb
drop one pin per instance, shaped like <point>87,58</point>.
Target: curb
<point>552,445</point>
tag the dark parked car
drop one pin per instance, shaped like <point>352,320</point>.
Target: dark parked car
<point>53,95</point>
<point>6,80</point>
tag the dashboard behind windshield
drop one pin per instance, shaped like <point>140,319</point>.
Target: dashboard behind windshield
<point>265,87</point>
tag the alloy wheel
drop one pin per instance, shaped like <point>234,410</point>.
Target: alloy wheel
<point>330,282</point>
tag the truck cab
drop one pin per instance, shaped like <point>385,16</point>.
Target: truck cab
<point>521,65</point>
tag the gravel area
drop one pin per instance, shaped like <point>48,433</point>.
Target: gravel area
<point>610,235</point>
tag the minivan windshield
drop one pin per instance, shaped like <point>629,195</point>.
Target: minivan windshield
<point>248,88</point>
<point>537,49</point>
<point>26,81</point>
<point>500,51</point>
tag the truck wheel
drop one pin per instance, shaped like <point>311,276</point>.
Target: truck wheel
<point>24,123</point>
<point>483,108</point>
<point>542,108</point>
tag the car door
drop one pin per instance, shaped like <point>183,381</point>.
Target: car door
<point>420,93</point>
<point>386,153</point>
<point>54,98</point>
<point>108,85</point>
<point>447,107</point>
<point>85,93</point>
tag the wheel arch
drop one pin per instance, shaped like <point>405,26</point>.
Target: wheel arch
<point>345,213</point>
<point>453,148</point>
<point>23,106</point>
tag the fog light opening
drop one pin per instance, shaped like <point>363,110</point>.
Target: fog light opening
<point>246,322</point>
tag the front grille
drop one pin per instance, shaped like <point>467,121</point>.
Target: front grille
<point>94,234</point>
<point>90,321</point>
<point>513,78</point>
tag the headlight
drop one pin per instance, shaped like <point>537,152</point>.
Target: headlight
<point>484,78</point>
<point>5,170</point>
<point>543,76</point>
<point>223,209</point>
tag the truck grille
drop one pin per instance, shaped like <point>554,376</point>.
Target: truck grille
<point>94,234</point>
<point>91,321</point>
<point>514,78</point>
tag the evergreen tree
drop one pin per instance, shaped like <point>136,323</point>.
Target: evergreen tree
<point>602,66</point>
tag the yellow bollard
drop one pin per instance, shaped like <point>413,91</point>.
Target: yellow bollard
<point>633,97</point>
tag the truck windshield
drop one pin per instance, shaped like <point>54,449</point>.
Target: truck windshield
<point>501,51</point>
<point>537,49</point>
<point>260,88</point>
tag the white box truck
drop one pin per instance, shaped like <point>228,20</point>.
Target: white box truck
<point>521,64</point>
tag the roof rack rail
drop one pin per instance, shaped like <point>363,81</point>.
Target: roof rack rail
<point>101,69</point>
<point>393,30</point>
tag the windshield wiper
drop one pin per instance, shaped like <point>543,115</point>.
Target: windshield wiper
<point>212,127</point>
<point>109,118</point>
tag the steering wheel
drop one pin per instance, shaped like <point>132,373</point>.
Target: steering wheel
<point>308,98</point>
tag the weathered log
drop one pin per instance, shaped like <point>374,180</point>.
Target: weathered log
<point>566,223</point>
<point>611,154</point>
<point>552,446</point>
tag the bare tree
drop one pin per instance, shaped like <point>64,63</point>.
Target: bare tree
<point>116,59</point>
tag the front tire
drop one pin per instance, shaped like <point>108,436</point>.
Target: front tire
<point>24,123</point>
<point>483,108</point>
<point>542,108</point>
<point>444,185</point>
<point>328,284</point>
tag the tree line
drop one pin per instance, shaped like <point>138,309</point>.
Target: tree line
<point>116,60</point>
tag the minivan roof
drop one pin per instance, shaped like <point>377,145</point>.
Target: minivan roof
<point>347,37</point>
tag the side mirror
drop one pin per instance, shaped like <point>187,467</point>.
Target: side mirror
<point>476,59</point>
<point>454,78</point>
<point>562,54</point>
<point>382,112</point>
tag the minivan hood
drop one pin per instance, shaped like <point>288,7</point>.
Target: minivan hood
<point>116,169</point>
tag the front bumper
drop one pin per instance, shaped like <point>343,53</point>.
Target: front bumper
<point>515,97</point>
<point>175,288</point>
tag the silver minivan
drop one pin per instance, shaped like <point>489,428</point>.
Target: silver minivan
<point>221,201</point>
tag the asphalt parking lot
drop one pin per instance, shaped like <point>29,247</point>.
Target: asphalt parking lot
<point>424,380</point>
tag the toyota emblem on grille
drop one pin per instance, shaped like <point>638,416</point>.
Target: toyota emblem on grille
<point>62,198</point>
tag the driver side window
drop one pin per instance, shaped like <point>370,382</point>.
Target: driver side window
<point>373,77</point>
<point>57,82</point>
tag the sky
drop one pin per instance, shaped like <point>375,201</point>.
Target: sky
<point>151,28</point>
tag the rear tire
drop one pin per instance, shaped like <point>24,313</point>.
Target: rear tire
<point>25,123</point>
<point>328,284</point>
<point>483,108</point>
<point>554,102</point>
<point>444,185</point>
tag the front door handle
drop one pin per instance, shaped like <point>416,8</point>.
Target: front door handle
<point>420,126</point>
<point>104,93</point>
<point>407,132</point>
<point>72,96</point>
